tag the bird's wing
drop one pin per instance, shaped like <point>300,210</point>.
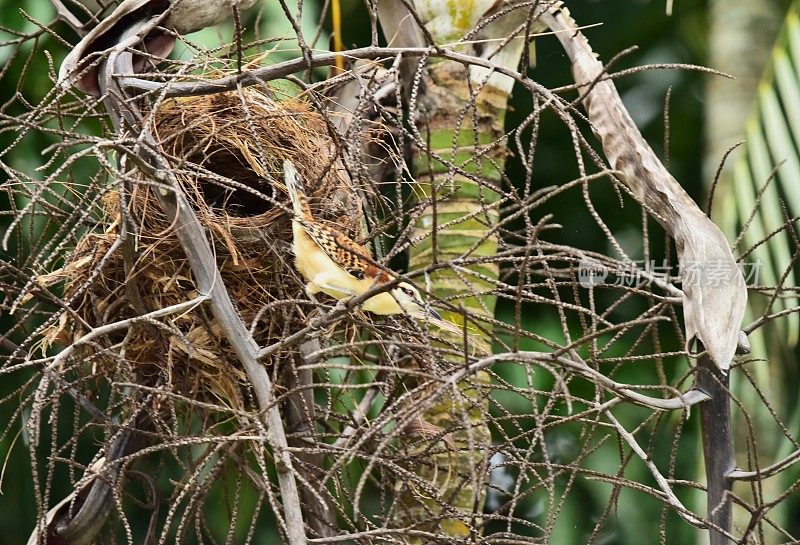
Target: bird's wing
<point>345,252</point>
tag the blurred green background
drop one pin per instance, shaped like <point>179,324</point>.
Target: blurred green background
<point>679,38</point>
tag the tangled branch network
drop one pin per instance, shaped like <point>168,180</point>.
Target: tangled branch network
<point>174,379</point>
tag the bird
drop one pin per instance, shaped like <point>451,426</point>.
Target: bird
<point>334,264</point>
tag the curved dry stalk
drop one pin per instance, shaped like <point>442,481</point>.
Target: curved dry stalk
<point>209,283</point>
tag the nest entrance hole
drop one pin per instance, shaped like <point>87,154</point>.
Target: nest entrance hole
<point>234,201</point>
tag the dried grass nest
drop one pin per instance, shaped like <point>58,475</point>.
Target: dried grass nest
<point>210,139</point>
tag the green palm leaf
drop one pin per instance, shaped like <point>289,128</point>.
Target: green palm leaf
<point>766,188</point>
<point>773,142</point>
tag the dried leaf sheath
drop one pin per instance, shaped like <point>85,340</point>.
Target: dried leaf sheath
<point>715,292</point>
<point>714,297</point>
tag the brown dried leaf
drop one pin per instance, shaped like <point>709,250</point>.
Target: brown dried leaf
<point>184,16</point>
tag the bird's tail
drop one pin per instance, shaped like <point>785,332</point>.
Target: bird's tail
<point>294,186</point>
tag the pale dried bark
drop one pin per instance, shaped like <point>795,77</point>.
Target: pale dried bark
<point>183,16</point>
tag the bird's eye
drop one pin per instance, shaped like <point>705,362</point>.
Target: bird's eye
<point>410,292</point>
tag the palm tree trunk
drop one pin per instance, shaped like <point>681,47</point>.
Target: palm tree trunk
<point>459,161</point>
<point>457,175</point>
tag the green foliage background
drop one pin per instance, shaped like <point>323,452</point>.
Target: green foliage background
<point>679,38</point>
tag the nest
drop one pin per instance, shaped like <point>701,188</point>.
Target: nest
<point>227,151</point>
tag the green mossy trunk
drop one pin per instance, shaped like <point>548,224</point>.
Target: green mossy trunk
<point>466,161</point>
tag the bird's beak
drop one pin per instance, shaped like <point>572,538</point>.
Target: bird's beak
<point>434,314</point>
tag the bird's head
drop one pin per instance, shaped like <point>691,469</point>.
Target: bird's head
<point>408,297</point>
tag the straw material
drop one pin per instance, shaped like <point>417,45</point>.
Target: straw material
<point>227,151</point>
